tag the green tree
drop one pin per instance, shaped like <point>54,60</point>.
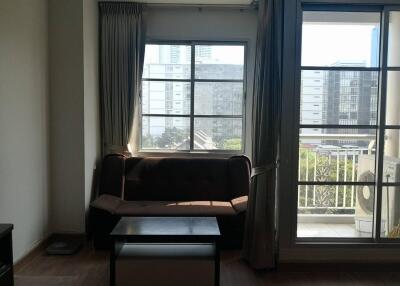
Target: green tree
<point>325,166</point>
<point>232,144</point>
<point>171,137</point>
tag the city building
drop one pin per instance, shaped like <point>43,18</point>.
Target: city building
<point>351,99</point>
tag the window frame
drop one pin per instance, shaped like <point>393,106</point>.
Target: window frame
<point>380,126</point>
<point>304,7</point>
<point>192,80</point>
<point>314,250</point>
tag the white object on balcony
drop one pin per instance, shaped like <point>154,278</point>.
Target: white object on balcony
<point>365,196</point>
<point>366,224</point>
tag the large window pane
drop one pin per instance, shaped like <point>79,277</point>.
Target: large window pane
<point>390,215</point>
<point>340,38</point>
<point>339,97</point>
<point>219,62</point>
<point>216,98</point>
<point>161,97</point>
<point>165,133</point>
<point>391,160</point>
<point>335,211</point>
<point>174,97</point>
<point>337,155</point>
<point>393,98</point>
<point>218,133</point>
<point>167,62</point>
<point>394,39</point>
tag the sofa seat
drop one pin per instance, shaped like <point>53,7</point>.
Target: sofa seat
<point>119,207</point>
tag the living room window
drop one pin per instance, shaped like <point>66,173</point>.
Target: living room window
<point>193,97</point>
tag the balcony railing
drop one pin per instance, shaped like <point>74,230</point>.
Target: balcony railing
<point>324,162</point>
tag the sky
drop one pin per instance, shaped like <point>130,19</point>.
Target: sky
<point>231,55</point>
<point>324,45</point>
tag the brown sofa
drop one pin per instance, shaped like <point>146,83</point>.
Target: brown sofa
<point>172,187</point>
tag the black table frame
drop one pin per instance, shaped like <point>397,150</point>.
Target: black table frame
<point>6,254</point>
<point>119,240</point>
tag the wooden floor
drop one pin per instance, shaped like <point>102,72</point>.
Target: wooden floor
<point>90,268</point>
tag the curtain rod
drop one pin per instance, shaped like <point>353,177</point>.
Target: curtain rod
<point>200,6</point>
<point>251,6</point>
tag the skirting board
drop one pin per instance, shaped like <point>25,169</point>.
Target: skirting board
<point>36,249</point>
<point>40,247</point>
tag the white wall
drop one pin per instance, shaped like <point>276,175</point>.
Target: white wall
<point>67,115</point>
<point>24,136</point>
<point>74,110</point>
<point>91,93</point>
<point>210,24</point>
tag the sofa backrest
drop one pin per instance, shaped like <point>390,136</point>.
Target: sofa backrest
<point>175,179</point>
<point>112,175</point>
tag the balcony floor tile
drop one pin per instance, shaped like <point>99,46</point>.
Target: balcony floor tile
<point>333,230</point>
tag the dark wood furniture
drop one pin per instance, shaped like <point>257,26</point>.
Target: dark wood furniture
<point>6,255</point>
<point>172,187</point>
<point>175,237</point>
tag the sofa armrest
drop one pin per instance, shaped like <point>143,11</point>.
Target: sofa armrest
<point>106,202</point>
<point>240,204</point>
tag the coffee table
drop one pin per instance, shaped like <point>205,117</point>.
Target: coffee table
<point>162,233</point>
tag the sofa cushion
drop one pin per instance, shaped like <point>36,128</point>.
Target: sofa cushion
<point>239,176</point>
<point>155,208</point>
<point>240,204</point>
<point>107,202</point>
<point>176,179</point>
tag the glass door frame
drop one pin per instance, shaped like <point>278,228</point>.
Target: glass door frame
<point>381,117</point>
<point>383,127</point>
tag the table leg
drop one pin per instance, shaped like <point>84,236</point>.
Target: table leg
<point>217,264</point>
<point>112,264</point>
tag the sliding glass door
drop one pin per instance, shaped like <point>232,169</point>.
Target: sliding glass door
<point>349,126</point>
<point>389,179</point>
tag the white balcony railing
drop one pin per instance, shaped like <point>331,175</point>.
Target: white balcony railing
<point>324,162</point>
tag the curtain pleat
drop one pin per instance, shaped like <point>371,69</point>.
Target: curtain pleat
<point>260,238</point>
<point>122,45</point>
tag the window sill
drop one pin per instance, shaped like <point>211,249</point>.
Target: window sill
<point>188,154</point>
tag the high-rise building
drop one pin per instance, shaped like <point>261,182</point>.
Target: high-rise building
<point>311,105</point>
<point>350,99</point>
<point>312,88</point>
<point>167,97</point>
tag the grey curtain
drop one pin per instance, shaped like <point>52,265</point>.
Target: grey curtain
<point>122,44</point>
<point>260,235</point>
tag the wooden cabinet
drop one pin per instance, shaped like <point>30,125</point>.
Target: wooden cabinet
<point>6,255</point>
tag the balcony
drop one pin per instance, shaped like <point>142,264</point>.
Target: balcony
<point>326,209</point>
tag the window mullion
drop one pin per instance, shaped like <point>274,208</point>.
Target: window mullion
<point>381,124</point>
<point>192,75</point>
